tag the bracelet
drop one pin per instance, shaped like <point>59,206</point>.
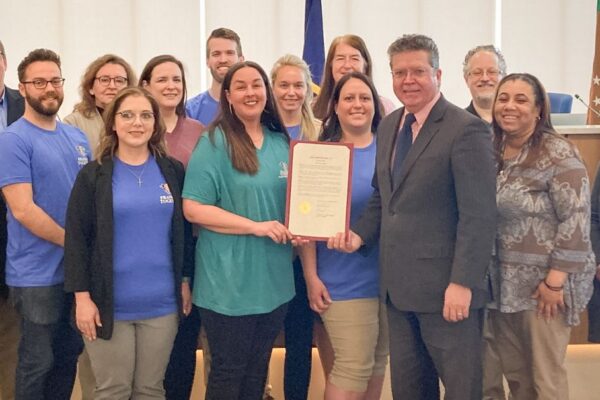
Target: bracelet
<point>553,288</point>
<point>185,279</point>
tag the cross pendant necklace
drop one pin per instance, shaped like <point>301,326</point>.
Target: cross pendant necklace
<point>139,177</point>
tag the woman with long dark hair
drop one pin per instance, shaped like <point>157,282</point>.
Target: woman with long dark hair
<point>235,191</point>
<point>344,288</point>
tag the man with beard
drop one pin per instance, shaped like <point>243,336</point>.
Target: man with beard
<point>39,160</point>
<point>483,68</point>
<point>11,109</point>
<point>223,49</point>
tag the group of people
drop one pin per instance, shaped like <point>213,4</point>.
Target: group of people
<point>146,216</point>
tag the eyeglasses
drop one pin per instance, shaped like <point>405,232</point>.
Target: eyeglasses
<point>129,116</point>
<point>415,73</point>
<point>478,73</point>
<point>42,83</point>
<point>105,80</point>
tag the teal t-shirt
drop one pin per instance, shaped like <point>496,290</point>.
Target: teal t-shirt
<point>240,274</point>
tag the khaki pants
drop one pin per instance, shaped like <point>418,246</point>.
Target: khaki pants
<point>532,353</point>
<point>493,385</point>
<point>132,364</point>
<point>86,376</point>
<point>10,333</point>
<point>359,335</point>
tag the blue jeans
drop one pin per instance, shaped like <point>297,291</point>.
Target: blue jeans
<point>49,346</point>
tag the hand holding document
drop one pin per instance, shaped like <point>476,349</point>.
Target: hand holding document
<point>319,187</point>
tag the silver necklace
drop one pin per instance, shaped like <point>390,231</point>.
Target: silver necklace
<point>138,177</point>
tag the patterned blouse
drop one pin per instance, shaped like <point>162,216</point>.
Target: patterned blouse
<point>543,223</point>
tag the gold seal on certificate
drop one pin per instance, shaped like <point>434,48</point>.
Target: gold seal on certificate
<point>318,195</point>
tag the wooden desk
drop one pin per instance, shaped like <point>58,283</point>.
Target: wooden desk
<point>587,140</point>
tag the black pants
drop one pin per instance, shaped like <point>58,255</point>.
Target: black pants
<point>423,347</point>
<point>240,347</point>
<point>298,340</point>
<point>179,377</point>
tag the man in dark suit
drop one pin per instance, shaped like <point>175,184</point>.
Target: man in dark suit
<point>433,212</point>
<point>11,109</point>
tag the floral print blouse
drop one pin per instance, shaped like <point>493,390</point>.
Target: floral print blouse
<point>543,223</point>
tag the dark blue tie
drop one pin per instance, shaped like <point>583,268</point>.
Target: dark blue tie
<point>403,144</point>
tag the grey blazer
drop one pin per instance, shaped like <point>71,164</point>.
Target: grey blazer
<point>438,226</point>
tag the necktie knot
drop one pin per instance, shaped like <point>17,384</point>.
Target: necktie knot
<point>408,121</point>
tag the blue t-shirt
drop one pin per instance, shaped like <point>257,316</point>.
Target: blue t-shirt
<point>353,276</point>
<point>49,161</point>
<point>202,108</point>
<point>144,283</point>
<point>241,274</point>
<point>294,131</point>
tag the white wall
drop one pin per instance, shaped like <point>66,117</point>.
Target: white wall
<point>553,39</point>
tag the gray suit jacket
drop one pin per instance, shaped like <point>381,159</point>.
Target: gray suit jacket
<point>438,226</point>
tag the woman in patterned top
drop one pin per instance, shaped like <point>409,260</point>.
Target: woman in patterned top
<point>542,278</point>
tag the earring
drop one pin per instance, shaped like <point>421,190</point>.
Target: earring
<point>231,109</point>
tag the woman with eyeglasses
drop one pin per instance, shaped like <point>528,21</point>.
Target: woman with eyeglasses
<point>127,247</point>
<point>346,54</point>
<point>100,83</point>
<point>235,189</point>
<point>164,77</point>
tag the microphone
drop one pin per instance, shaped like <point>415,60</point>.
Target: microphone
<point>586,105</point>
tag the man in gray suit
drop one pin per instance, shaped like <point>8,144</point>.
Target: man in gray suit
<point>433,213</point>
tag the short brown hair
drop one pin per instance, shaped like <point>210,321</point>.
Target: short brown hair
<point>225,33</point>
<point>35,56</point>
<point>415,42</point>
<point>87,105</point>
<point>109,141</point>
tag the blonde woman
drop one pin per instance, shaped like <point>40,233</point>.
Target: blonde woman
<point>291,81</point>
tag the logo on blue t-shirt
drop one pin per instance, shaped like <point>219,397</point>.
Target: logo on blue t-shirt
<point>283,172</point>
<point>83,158</point>
<point>168,198</point>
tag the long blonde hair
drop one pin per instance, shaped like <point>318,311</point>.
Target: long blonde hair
<point>308,124</point>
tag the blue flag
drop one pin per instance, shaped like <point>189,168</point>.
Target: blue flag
<point>314,48</point>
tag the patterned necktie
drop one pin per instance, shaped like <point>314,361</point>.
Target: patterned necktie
<point>403,144</point>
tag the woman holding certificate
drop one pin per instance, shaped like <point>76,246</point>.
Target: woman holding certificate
<point>293,95</point>
<point>344,287</point>
<point>235,190</point>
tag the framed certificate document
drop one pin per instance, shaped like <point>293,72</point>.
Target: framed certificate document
<point>319,187</point>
